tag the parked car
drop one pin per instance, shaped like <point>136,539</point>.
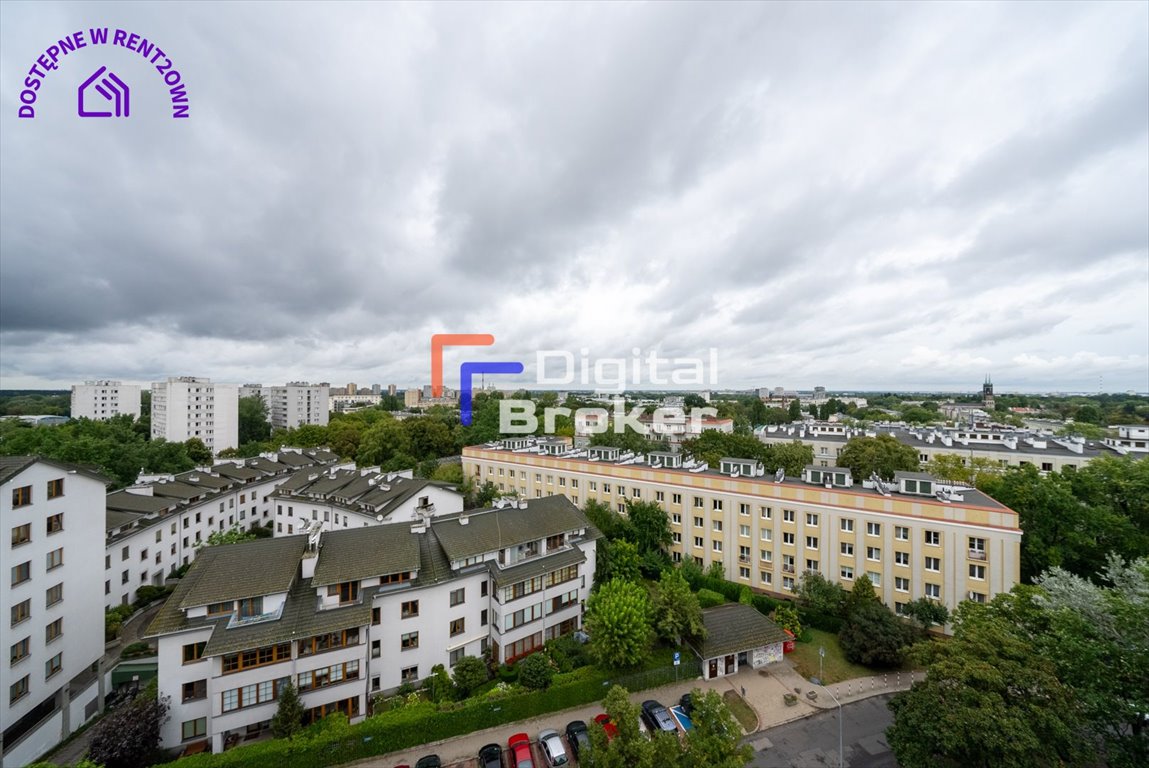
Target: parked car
<point>657,717</point>
<point>429,761</point>
<point>578,738</point>
<point>554,754</point>
<point>687,703</point>
<point>520,746</point>
<point>611,729</point>
<point>491,756</point>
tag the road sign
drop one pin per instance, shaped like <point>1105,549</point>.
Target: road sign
<point>677,658</point>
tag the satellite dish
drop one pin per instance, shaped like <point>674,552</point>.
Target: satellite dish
<point>379,518</point>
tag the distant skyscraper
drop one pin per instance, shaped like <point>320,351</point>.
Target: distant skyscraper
<point>296,403</point>
<point>352,388</point>
<point>426,391</point>
<point>392,389</point>
<point>104,399</point>
<point>184,407</point>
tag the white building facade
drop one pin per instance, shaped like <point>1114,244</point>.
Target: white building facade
<point>184,407</point>
<point>51,604</point>
<point>101,400</point>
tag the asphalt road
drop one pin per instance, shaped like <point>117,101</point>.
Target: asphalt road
<point>813,742</point>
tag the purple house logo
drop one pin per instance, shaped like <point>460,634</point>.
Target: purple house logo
<point>114,91</point>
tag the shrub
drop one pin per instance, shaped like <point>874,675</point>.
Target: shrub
<point>147,593</point>
<point>875,637</point>
<point>508,673</point>
<point>822,621</point>
<point>470,672</point>
<point>288,718</point>
<point>536,671</point>
<point>137,650</point>
<point>439,684</point>
<point>708,598</point>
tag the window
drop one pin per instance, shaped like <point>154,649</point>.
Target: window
<point>53,595</point>
<point>875,578</point>
<point>765,577</point>
<point>409,641</point>
<point>901,558</point>
<point>787,538</point>
<point>458,653</point>
<point>55,488</point>
<point>699,503</point>
<point>765,555</point>
<point>458,626</point>
<point>343,638</point>
<point>348,591</point>
<point>21,497</point>
<point>606,487</point>
<point>744,510</point>
<point>901,584</point>
<point>258,657</point>
<point>482,589</point>
<point>676,498</point>
<point>847,548</point>
<point>221,609</point>
<point>18,650</point>
<point>933,538</point>
<point>766,534</point>
<point>125,553</point>
<point>787,583</point>
<point>716,546</point>
<point>483,617</point>
<point>18,689</point>
<point>458,596</point>
<point>811,518</point>
<point>873,529</point>
<point>21,534</point>
<point>744,573</point>
<point>21,572</point>
<point>716,505</point>
<point>409,609</point>
<point>252,606</point>
<point>193,729</point>
<point>933,564</point>
<point>409,675</point>
<point>54,630</point>
<point>744,554</point>
<point>523,616</point>
<point>698,522</point>
<point>847,573</point>
<point>976,548</point>
<point>787,515</point>
<point>847,525</point>
<point>977,572</point>
<point>934,591</point>
<point>698,541</point>
<point>743,530</point>
<point>811,542</point>
<point>873,553</point>
<point>196,689</point>
<point>325,676</point>
<point>764,513</point>
<point>717,525</point>
<point>977,597</point>
<point>21,611</point>
<point>676,519</point>
<point>636,493</point>
<point>901,533</point>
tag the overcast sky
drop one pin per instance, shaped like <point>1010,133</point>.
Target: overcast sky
<point>904,196</point>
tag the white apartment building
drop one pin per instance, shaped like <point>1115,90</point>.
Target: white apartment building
<point>767,531</point>
<point>184,407</point>
<point>348,498</point>
<point>348,613</point>
<point>102,400</point>
<point>1131,439</point>
<point>156,527</point>
<point>293,404</point>
<point>51,600</point>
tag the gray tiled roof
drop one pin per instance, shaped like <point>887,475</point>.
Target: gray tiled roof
<point>733,628</point>
<point>236,472</point>
<point>292,459</point>
<point>267,466</point>
<point>114,518</point>
<point>538,566</point>
<point>246,569</point>
<point>179,490</point>
<point>204,479</point>
<point>10,466</point>
<point>360,553</point>
<point>138,502</point>
<point>486,531</point>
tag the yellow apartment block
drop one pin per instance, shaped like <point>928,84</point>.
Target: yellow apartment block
<point>913,537</point>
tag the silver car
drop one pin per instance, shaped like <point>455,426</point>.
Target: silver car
<point>551,744</point>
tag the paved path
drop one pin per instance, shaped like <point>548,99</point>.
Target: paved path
<point>762,689</point>
<point>813,741</point>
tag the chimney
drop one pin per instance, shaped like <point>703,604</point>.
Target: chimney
<point>522,503</point>
<point>464,519</point>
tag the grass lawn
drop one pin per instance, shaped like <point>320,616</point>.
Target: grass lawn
<point>742,711</point>
<point>835,667</point>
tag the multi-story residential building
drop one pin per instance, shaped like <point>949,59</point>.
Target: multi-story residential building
<point>766,532</point>
<point>348,613</point>
<point>293,404</point>
<point>105,399</point>
<point>50,602</point>
<point>184,407</point>
<point>341,403</point>
<point>351,498</point>
<point>1131,439</point>
<point>157,526</point>
<point>1003,447</point>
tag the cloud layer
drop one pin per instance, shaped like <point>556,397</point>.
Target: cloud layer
<point>854,196</point>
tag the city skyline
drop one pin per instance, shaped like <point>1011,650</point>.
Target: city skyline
<point>865,197</point>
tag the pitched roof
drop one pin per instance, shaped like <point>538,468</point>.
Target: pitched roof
<point>247,569</point>
<point>237,472</point>
<point>179,490</point>
<point>126,501</point>
<point>267,466</point>
<point>360,553</point>
<point>537,566</point>
<point>733,628</point>
<point>10,466</point>
<point>487,531</point>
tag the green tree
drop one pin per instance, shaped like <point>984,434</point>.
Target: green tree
<point>862,594</point>
<point>343,437</point>
<point>818,593</point>
<point>792,457</point>
<point>618,559</point>
<point>716,739</point>
<point>469,673</point>
<point>385,442</point>
<point>536,671</point>
<point>957,469</point>
<point>786,617</point>
<point>129,736</point>
<point>232,535</point>
<point>677,612</point>
<point>198,452</point>
<point>883,454</point>
<point>617,621</point>
<point>794,411</point>
<point>873,636</point>
<point>288,718</point>
<point>651,525</point>
<point>927,612</point>
<point>629,748</point>
<point>988,701</point>
<point>253,424</point>
<point>439,684</point>
<point>611,524</point>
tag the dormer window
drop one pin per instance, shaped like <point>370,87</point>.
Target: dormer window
<point>348,591</point>
<point>220,609</point>
<point>252,606</point>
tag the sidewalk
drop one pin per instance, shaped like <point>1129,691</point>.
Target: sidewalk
<point>762,689</point>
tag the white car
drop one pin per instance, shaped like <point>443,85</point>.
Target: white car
<point>554,753</point>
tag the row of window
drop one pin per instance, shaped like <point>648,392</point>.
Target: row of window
<point>22,534</point>
<point>22,572</point>
<point>21,687</point>
<point>22,496</point>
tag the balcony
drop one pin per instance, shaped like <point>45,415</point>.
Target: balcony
<point>977,554</point>
<point>787,569</point>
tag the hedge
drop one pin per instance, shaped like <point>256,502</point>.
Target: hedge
<point>334,741</point>
<point>823,621</point>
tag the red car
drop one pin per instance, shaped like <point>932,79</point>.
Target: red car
<point>610,728</point>
<point>520,746</point>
